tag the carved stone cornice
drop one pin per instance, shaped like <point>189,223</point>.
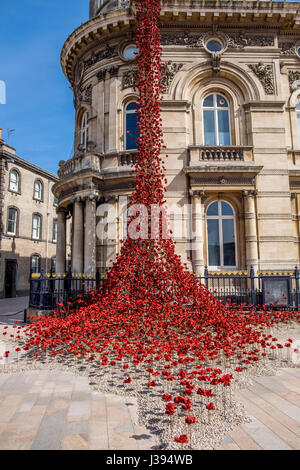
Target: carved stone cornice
<point>265,74</point>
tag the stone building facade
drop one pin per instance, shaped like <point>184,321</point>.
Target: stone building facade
<point>28,222</point>
<point>230,113</point>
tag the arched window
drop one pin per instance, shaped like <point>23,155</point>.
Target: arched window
<point>131,126</point>
<point>38,190</point>
<point>14,181</point>
<point>35,263</point>
<point>84,131</point>
<point>12,221</point>
<point>36,226</point>
<point>298,120</point>
<point>221,235</point>
<point>216,120</point>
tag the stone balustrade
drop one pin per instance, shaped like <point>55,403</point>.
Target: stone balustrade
<point>230,153</point>
<point>79,163</point>
<point>127,158</point>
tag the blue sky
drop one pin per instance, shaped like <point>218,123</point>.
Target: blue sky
<point>39,103</point>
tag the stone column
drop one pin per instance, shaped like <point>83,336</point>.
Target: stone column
<point>250,230</point>
<point>198,232</point>
<point>77,245</point>
<point>61,241</point>
<point>90,236</point>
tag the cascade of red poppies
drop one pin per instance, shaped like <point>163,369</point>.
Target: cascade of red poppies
<point>151,311</point>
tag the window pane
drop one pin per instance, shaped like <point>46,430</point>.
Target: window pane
<point>223,124</point>
<point>131,107</point>
<point>214,46</point>
<point>213,242</point>
<point>298,120</point>
<point>36,226</point>
<point>298,106</point>
<point>37,190</point>
<point>130,52</point>
<point>14,181</point>
<point>209,128</point>
<point>131,131</point>
<point>35,264</point>
<point>228,242</point>
<point>209,101</point>
<point>12,221</point>
<point>226,209</point>
<point>213,209</point>
<point>221,102</point>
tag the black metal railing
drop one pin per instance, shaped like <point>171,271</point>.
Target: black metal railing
<point>49,290</point>
<point>276,289</point>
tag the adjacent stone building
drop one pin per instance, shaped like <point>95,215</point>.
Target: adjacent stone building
<point>28,222</point>
<point>231,114</point>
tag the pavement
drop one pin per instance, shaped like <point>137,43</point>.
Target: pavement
<point>9,308</point>
<point>57,410</point>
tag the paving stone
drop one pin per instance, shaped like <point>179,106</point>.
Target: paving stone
<point>98,435</point>
<point>50,432</point>
<point>74,441</point>
<point>264,437</point>
<point>79,411</point>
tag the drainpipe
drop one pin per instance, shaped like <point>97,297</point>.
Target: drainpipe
<point>48,223</point>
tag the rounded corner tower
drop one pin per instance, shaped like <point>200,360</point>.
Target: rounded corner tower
<point>231,85</point>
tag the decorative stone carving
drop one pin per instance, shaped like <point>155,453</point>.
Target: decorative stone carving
<point>113,72</point>
<point>183,39</point>
<point>214,180</point>
<point>216,61</point>
<point>196,193</point>
<point>108,53</point>
<point>101,75</point>
<point>294,79</point>
<point>265,74</point>
<point>168,73</point>
<point>287,48</point>
<point>169,70</point>
<point>129,78</point>
<point>83,95</point>
<point>241,40</point>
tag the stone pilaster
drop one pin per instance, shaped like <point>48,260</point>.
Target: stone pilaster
<point>90,236</point>
<point>250,230</point>
<point>78,235</point>
<point>197,243</point>
<point>61,241</point>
